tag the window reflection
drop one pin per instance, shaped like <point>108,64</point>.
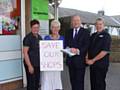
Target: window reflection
<point>9,17</point>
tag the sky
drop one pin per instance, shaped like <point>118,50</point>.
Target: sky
<point>111,7</point>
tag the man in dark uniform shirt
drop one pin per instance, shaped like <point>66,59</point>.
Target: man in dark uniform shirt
<point>31,56</point>
<point>98,56</point>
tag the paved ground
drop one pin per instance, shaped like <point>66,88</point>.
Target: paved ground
<point>113,78</point>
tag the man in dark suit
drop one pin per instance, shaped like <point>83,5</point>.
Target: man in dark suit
<point>77,39</point>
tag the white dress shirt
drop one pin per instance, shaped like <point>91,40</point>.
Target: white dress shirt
<point>75,31</point>
<point>78,51</point>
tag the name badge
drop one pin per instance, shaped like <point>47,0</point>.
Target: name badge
<point>101,36</point>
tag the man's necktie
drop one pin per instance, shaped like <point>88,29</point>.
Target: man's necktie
<point>76,32</point>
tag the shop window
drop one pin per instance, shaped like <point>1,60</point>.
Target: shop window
<point>9,17</point>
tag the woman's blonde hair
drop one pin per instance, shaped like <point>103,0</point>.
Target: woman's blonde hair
<point>55,22</point>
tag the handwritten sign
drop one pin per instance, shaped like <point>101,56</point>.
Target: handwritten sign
<point>51,57</point>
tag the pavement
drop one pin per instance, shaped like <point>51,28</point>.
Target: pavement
<point>113,78</point>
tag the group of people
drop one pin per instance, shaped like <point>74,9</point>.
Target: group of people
<point>93,51</point>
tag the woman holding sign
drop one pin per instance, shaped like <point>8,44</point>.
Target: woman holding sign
<point>51,80</point>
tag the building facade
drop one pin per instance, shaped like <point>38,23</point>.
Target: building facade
<point>15,16</point>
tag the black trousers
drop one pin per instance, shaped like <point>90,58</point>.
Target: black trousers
<point>33,79</point>
<point>77,77</point>
<point>97,77</point>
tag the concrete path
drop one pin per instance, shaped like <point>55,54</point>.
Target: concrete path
<point>113,78</point>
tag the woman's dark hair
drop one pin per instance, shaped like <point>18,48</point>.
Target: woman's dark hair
<point>33,22</point>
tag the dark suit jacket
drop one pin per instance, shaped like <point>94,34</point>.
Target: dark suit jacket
<point>81,42</point>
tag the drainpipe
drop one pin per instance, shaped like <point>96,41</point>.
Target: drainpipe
<point>56,5</point>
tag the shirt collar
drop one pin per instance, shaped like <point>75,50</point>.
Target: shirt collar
<point>33,35</point>
<point>101,32</point>
<point>77,29</point>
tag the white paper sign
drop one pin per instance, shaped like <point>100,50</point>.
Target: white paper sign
<point>44,29</point>
<point>51,57</point>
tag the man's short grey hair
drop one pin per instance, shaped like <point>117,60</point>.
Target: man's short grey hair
<point>55,22</point>
<point>100,19</point>
<point>75,16</point>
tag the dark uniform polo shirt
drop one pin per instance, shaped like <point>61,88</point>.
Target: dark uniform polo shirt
<point>100,42</point>
<point>33,43</point>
